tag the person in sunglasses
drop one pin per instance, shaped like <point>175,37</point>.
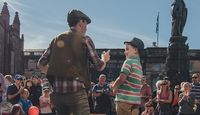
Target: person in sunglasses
<point>164,99</point>
<point>196,90</point>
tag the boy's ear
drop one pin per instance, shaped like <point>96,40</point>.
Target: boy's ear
<point>136,49</point>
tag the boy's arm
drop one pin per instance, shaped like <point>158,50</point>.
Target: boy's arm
<point>120,80</point>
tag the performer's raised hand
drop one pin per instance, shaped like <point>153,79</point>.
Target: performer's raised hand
<point>105,56</point>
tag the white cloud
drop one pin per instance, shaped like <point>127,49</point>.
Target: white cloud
<point>39,31</point>
<point>114,38</point>
<point>103,37</point>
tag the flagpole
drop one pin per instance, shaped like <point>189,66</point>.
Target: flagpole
<point>157,29</point>
<point>157,37</point>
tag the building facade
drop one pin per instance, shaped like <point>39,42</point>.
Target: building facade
<point>153,61</point>
<point>11,44</point>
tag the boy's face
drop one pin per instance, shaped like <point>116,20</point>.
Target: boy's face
<point>130,51</point>
<point>25,94</point>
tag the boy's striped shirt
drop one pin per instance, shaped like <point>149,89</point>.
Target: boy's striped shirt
<point>129,92</point>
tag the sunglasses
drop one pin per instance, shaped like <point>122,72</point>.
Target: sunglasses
<point>164,84</point>
<point>194,77</point>
<point>177,88</point>
<point>149,106</point>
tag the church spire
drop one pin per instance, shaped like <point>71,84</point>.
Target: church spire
<point>5,15</point>
<point>16,19</point>
<point>16,24</point>
<point>5,9</point>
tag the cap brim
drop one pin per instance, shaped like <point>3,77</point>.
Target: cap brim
<point>127,42</point>
<point>45,89</point>
<point>130,43</point>
<point>19,79</point>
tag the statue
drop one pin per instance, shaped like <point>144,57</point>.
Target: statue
<point>179,16</point>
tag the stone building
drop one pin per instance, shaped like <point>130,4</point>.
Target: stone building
<point>153,61</point>
<point>11,43</point>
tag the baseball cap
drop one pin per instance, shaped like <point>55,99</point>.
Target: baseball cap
<point>45,88</point>
<point>18,77</point>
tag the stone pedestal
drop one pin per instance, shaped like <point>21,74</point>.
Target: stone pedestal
<point>177,62</point>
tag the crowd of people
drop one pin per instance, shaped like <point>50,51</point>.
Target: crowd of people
<point>20,95</point>
<point>183,99</point>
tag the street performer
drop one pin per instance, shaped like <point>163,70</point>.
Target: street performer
<point>66,64</point>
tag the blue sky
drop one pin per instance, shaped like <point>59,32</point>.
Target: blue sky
<point>113,21</point>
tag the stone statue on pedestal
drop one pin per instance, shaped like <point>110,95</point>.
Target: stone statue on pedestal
<point>177,61</point>
<point>179,16</point>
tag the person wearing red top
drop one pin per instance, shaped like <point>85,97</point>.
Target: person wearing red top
<point>146,93</point>
<point>175,99</point>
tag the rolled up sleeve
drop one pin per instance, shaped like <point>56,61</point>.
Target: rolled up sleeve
<point>95,59</point>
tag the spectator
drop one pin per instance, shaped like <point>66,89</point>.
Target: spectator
<point>102,92</point>
<point>164,99</point>
<point>196,90</point>
<point>90,98</point>
<point>28,84</point>
<point>128,85</point>
<point>45,83</point>
<point>146,93</point>
<point>35,91</point>
<point>149,110</point>
<point>168,82</point>
<point>14,90</point>
<point>175,100</point>
<point>154,96</point>
<point>8,81</point>
<point>5,108</point>
<point>45,103</point>
<point>24,101</point>
<point>17,110</point>
<point>2,87</point>
<point>186,101</point>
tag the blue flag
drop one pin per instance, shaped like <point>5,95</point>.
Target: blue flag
<point>157,24</point>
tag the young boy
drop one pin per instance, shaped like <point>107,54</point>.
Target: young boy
<point>24,101</point>
<point>127,86</point>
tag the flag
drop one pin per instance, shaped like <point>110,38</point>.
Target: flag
<point>157,24</point>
